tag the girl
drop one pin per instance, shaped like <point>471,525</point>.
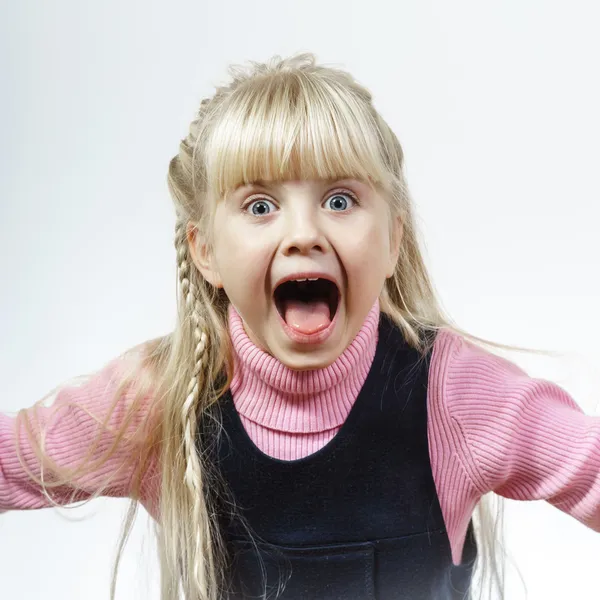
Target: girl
<point>315,426</point>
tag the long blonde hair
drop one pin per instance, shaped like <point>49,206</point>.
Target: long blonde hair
<point>286,119</point>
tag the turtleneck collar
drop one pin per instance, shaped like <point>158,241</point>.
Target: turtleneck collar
<point>267,392</point>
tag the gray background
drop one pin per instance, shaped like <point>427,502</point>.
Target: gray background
<point>496,106</point>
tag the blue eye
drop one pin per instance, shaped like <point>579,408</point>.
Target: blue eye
<point>339,201</point>
<point>260,202</point>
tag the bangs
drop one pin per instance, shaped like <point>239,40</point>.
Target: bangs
<point>293,127</point>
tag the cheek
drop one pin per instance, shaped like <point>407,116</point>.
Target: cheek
<point>371,253</point>
<point>240,257</point>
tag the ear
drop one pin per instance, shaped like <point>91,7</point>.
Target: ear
<point>202,257</point>
<point>396,238</point>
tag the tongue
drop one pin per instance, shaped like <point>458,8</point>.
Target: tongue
<point>306,317</point>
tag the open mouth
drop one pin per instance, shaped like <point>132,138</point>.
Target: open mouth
<point>307,305</point>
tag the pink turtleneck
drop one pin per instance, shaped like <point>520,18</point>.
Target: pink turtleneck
<point>290,414</point>
<point>490,428</point>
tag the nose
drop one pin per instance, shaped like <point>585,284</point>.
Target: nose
<point>303,236</point>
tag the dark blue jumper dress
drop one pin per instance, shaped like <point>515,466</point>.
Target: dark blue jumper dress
<point>357,520</point>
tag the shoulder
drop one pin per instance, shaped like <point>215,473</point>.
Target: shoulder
<point>474,401</point>
<point>463,380</point>
<point>115,403</point>
<point>477,390</point>
<point>494,428</point>
<point>467,372</point>
<point>473,382</point>
<point>497,413</point>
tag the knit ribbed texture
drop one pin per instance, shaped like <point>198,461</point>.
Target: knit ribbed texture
<point>289,414</point>
<point>490,427</point>
<point>70,431</point>
<point>494,428</point>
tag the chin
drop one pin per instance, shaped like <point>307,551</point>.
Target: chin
<point>309,361</point>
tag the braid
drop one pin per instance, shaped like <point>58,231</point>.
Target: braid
<point>193,472</point>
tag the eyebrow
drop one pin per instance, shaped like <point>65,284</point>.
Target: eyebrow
<point>257,182</point>
<point>267,183</point>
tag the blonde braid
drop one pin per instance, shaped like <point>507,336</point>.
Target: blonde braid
<point>193,472</point>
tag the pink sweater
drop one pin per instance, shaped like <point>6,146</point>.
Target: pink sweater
<point>490,428</point>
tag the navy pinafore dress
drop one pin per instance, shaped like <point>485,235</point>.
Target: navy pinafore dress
<point>357,520</point>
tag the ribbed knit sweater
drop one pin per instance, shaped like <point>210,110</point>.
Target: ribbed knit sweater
<point>290,414</point>
<point>491,427</point>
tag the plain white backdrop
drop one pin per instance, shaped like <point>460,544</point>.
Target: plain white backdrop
<point>496,106</point>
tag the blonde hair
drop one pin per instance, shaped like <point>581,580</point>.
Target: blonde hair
<point>286,119</point>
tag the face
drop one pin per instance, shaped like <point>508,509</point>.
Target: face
<point>269,232</point>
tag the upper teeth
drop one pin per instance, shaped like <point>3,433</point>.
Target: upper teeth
<point>315,279</point>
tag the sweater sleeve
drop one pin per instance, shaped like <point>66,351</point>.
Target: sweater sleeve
<point>525,438</point>
<point>80,417</point>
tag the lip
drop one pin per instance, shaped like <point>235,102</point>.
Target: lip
<point>309,275</point>
<point>319,336</point>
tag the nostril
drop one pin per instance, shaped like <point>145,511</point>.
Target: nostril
<point>302,250</point>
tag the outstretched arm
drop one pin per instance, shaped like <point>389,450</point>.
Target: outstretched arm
<point>83,449</point>
<point>526,438</point>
